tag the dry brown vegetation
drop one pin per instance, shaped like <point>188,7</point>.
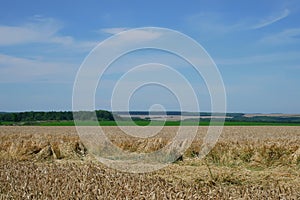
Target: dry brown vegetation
<point>246,163</point>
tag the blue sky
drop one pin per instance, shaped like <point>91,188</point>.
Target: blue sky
<point>255,44</point>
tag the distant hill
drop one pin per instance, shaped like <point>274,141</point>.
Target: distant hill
<point>206,116</point>
<point>184,113</point>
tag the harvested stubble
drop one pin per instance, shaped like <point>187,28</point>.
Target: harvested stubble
<point>247,163</point>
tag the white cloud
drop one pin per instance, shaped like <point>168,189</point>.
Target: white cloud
<point>289,36</point>
<point>141,35</point>
<point>259,59</point>
<point>272,19</point>
<point>40,30</point>
<point>15,69</point>
<point>135,35</point>
<point>127,40</point>
<point>218,23</point>
<point>211,22</point>
<point>113,30</point>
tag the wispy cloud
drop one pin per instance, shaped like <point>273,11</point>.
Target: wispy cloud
<point>141,35</point>
<point>15,69</point>
<point>288,36</point>
<point>113,30</point>
<point>40,30</point>
<point>211,22</point>
<point>128,39</point>
<point>220,23</point>
<point>135,34</point>
<point>271,19</point>
<point>261,59</point>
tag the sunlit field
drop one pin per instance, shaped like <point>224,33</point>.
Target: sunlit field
<point>253,162</point>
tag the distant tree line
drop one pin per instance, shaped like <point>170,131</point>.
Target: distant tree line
<point>101,115</point>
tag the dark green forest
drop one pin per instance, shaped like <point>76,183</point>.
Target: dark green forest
<point>101,115</point>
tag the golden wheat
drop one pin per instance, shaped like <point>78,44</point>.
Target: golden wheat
<point>246,163</point>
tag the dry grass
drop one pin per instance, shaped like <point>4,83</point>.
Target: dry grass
<point>246,163</point>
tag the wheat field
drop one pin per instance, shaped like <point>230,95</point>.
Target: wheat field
<point>246,163</point>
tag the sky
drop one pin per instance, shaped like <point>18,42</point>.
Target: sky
<point>255,45</point>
